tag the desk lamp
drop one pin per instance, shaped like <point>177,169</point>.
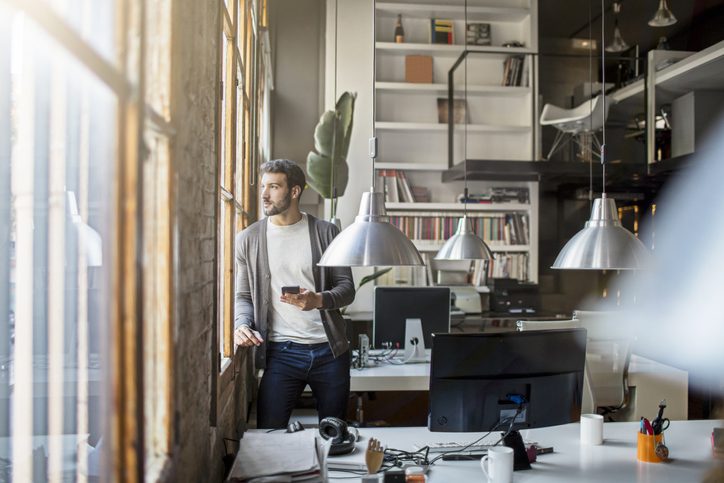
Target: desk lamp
<point>603,243</point>
<point>371,240</point>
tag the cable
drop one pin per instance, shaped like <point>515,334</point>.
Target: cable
<point>498,424</point>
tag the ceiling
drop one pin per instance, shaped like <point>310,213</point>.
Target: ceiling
<point>699,22</point>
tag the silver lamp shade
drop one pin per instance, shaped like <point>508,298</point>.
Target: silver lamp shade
<point>464,245</point>
<point>618,44</point>
<point>603,244</point>
<point>371,240</point>
<point>663,16</point>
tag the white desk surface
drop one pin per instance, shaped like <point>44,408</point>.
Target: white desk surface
<point>689,444</point>
<point>416,377</point>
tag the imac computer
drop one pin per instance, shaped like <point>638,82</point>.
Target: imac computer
<point>479,382</point>
<point>395,306</point>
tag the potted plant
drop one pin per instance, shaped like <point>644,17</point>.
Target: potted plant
<point>327,170</point>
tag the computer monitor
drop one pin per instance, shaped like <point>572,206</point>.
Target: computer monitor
<point>475,379</point>
<point>394,305</point>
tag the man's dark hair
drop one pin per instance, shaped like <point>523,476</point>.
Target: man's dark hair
<point>295,175</point>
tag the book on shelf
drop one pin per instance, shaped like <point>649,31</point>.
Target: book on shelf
<point>508,265</point>
<point>513,67</point>
<point>404,187</point>
<point>421,194</point>
<point>497,229</point>
<point>478,33</point>
<point>441,31</point>
<point>395,186</point>
<point>498,195</point>
<point>460,113</point>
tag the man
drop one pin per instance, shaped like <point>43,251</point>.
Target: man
<point>300,338</point>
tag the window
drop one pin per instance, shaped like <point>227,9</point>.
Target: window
<point>76,137</point>
<point>238,145</point>
<point>157,277</point>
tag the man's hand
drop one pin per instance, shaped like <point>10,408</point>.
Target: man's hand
<point>245,336</point>
<point>305,299</point>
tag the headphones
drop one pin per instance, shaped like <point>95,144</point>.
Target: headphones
<point>343,438</point>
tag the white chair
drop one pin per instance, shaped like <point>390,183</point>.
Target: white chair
<point>608,354</point>
<point>578,124</point>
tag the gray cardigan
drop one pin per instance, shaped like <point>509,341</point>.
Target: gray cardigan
<point>253,287</point>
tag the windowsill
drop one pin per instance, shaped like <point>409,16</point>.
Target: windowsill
<point>226,375</point>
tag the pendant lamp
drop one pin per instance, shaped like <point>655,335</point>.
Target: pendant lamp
<point>618,44</point>
<point>663,16</point>
<point>603,243</point>
<point>465,244</point>
<point>371,240</point>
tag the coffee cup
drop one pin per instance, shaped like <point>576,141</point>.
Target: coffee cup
<point>591,429</point>
<point>498,464</point>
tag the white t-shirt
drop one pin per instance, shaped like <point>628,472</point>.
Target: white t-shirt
<point>290,263</point>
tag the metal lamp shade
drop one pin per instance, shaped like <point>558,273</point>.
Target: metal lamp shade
<point>464,245</point>
<point>603,244</point>
<point>371,240</point>
<point>663,16</point>
<point>618,44</point>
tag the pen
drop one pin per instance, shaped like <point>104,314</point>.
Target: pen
<point>641,426</point>
<point>647,427</point>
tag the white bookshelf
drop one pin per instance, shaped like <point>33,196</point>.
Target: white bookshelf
<point>428,126</point>
<point>500,123</point>
<point>454,207</point>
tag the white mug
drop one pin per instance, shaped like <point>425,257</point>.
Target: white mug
<point>498,464</point>
<point>591,429</point>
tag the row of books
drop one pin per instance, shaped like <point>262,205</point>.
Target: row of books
<point>396,186</point>
<point>502,265</point>
<point>441,31</point>
<point>503,228</point>
<point>515,70</point>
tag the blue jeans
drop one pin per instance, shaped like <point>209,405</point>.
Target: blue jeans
<point>290,367</point>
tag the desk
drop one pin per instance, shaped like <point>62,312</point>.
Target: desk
<point>688,441</point>
<point>652,381</point>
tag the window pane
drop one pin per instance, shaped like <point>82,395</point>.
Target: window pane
<point>55,265</point>
<point>93,20</point>
<point>222,264</point>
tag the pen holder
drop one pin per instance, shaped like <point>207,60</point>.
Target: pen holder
<point>646,447</point>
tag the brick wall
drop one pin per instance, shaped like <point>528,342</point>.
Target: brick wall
<point>198,447</point>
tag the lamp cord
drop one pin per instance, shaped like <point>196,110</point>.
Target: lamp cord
<point>373,139</point>
<point>590,106</point>
<point>603,96</point>
<point>465,131</point>
<point>334,122</point>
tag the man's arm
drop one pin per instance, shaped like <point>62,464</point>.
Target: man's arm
<point>342,292</point>
<point>244,333</point>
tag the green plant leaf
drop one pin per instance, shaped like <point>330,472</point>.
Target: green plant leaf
<point>331,141</point>
<point>373,276</point>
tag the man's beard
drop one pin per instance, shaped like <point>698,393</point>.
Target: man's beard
<point>279,207</point>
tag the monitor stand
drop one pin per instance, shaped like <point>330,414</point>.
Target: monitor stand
<point>414,341</point>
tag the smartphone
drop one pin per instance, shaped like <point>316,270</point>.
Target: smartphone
<point>290,289</point>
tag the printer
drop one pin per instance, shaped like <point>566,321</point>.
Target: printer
<point>466,299</point>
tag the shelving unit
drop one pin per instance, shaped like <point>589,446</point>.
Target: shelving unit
<point>500,124</point>
<point>687,72</point>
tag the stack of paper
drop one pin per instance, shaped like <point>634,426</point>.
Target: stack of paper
<point>265,457</point>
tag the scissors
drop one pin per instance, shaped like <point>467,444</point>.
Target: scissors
<point>660,423</point>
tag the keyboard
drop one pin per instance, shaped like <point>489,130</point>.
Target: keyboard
<point>448,446</point>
